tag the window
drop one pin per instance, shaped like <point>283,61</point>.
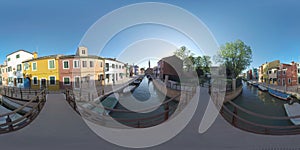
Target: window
<point>122,67</point>
<point>107,77</point>
<point>26,66</point>
<point>91,64</point>
<point>275,71</point>
<point>83,51</point>
<point>77,82</point>
<point>76,64</point>
<point>34,66</point>
<point>298,80</point>
<point>278,80</point>
<point>66,80</point>
<point>35,81</point>
<point>9,69</point>
<point>52,80</point>
<point>107,66</point>
<point>298,70</point>
<point>113,65</point>
<point>284,72</point>
<point>8,59</point>
<point>51,64</point>
<point>18,56</point>
<point>119,66</point>
<point>20,80</point>
<point>289,80</point>
<point>270,71</point>
<point>19,67</point>
<point>101,65</point>
<point>84,64</point>
<point>66,64</point>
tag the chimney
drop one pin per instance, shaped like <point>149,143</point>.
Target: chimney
<point>35,55</point>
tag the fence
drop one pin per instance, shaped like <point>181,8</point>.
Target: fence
<point>230,113</point>
<point>13,125</point>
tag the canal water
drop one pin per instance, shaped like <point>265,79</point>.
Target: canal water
<point>146,91</point>
<point>262,103</point>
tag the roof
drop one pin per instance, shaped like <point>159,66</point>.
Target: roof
<point>114,59</point>
<point>76,56</point>
<point>44,57</point>
<point>19,51</point>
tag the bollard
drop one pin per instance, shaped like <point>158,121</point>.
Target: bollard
<point>166,111</point>
<point>8,121</point>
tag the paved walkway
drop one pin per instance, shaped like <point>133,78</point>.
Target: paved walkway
<point>58,127</point>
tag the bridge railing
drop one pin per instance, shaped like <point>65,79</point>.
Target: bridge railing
<point>231,112</point>
<point>168,108</point>
<point>13,125</point>
<point>20,94</point>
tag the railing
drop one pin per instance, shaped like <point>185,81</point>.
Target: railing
<point>139,122</point>
<point>70,97</point>
<point>13,125</point>
<point>20,94</point>
<point>231,111</point>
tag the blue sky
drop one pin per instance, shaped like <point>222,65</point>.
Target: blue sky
<point>271,28</point>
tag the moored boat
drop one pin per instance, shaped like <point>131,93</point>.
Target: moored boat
<point>262,88</point>
<point>293,110</point>
<point>129,88</point>
<point>280,95</point>
<point>255,84</point>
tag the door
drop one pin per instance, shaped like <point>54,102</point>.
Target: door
<point>27,83</point>
<point>43,83</point>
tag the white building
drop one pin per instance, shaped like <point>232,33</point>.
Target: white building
<point>115,71</point>
<point>15,68</point>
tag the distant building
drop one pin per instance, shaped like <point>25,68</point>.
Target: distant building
<point>115,71</point>
<point>255,75</point>
<point>170,68</point>
<point>15,67</point>
<point>288,74</point>
<point>298,72</point>
<point>249,74</point>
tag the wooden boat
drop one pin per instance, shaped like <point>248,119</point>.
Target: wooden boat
<point>136,82</point>
<point>129,88</point>
<point>255,84</point>
<point>293,110</point>
<point>262,88</point>
<point>280,95</point>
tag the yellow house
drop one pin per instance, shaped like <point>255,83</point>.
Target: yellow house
<point>42,72</point>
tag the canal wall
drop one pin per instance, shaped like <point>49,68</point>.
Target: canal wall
<point>297,95</point>
<point>166,91</point>
<point>234,94</point>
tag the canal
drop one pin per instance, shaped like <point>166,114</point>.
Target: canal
<point>262,103</point>
<point>144,93</point>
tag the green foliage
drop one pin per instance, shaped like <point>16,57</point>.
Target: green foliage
<point>191,62</point>
<point>236,56</point>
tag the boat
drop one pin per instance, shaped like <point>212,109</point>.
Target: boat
<point>109,102</point>
<point>262,88</point>
<point>293,110</point>
<point>129,88</point>
<point>255,84</point>
<point>280,95</point>
<point>136,82</point>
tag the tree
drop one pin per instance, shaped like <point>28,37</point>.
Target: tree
<point>236,56</point>
<point>185,55</point>
<point>206,63</point>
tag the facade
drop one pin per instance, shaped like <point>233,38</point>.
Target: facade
<point>272,75</point>
<point>288,74</point>
<point>81,70</point>
<point>15,67</point>
<point>298,72</point>
<point>115,71</point>
<point>170,68</point>
<point>4,74</point>
<point>255,75</point>
<point>249,75</point>
<point>42,72</point>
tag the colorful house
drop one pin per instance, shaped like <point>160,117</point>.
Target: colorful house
<point>42,72</point>
<point>288,74</point>
<point>115,71</point>
<point>81,68</point>
<point>15,68</point>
